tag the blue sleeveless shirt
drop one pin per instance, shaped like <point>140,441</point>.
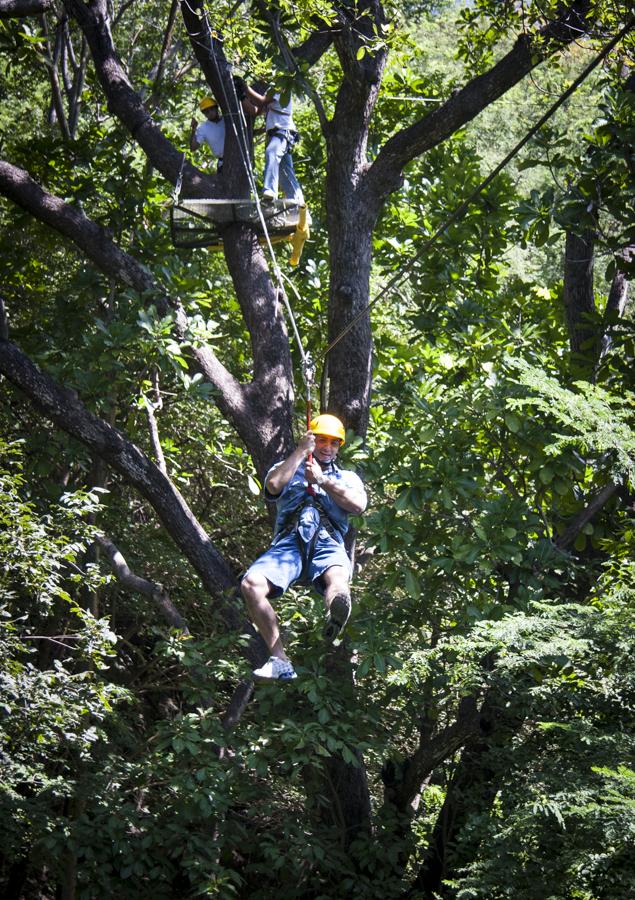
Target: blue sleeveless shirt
<point>295,492</point>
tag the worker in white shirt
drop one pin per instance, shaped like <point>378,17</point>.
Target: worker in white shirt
<point>210,132</point>
<point>282,135</point>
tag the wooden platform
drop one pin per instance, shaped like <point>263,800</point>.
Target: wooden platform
<point>200,223</point>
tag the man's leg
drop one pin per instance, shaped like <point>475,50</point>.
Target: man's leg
<point>338,601</point>
<point>255,589</point>
<point>288,180</point>
<point>275,150</point>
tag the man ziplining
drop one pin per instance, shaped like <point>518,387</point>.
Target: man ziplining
<point>314,498</point>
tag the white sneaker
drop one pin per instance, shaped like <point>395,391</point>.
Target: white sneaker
<point>275,670</point>
<point>268,196</point>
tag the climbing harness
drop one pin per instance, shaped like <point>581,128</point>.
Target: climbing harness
<point>293,520</point>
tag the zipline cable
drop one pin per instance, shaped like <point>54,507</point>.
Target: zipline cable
<point>462,208</point>
<point>308,366</point>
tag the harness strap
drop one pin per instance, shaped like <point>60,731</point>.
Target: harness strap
<point>293,518</point>
<point>291,137</point>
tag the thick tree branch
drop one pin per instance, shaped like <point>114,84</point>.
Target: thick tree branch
<point>70,221</point>
<point>154,435</point>
<point>156,592</point>
<point>618,295</point>
<point>578,294</point>
<point>597,503</point>
<point>167,39</point>
<point>209,53</point>
<point>472,789</point>
<point>4,321</point>
<point>97,243</point>
<point>528,51</point>
<point>77,87</point>
<point>616,302</point>
<point>403,786</point>
<point>66,411</point>
<point>315,46</point>
<point>358,94</point>
<point>56,113</point>
<point>125,103</point>
<point>19,9</point>
<point>237,705</point>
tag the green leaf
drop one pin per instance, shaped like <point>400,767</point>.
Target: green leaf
<point>413,585</point>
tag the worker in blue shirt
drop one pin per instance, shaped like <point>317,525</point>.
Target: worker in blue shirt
<point>308,542</point>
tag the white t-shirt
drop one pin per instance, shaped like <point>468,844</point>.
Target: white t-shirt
<point>212,134</point>
<point>279,116</point>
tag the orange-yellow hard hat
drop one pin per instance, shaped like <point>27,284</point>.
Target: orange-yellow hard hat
<point>207,103</point>
<point>329,426</point>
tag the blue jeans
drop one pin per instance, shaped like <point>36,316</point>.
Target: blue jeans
<point>279,165</point>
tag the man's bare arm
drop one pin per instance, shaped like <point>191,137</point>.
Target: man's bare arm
<point>276,482</point>
<point>350,499</point>
<point>194,144</point>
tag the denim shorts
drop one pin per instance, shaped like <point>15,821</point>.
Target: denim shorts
<point>281,564</point>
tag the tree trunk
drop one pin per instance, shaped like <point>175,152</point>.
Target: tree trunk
<point>578,295</point>
<point>471,791</point>
<point>350,360</point>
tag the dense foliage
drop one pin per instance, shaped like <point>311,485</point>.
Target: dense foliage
<point>491,709</point>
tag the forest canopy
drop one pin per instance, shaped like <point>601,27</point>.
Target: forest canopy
<point>471,736</point>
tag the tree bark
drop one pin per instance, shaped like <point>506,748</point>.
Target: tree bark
<point>578,294</point>
<point>352,220</point>
<point>151,589</point>
<point>19,9</point>
<point>471,791</point>
<point>65,410</point>
<point>404,783</point>
<point>337,790</point>
<point>616,302</point>
<point>567,539</point>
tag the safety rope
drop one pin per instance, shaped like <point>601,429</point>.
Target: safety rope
<point>179,182</point>
<point>308,368</point>
<point>458,213</point>
<point>308,365</point>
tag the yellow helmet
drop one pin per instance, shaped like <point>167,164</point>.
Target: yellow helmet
<point>328,426</point>
<point>207,103</point>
